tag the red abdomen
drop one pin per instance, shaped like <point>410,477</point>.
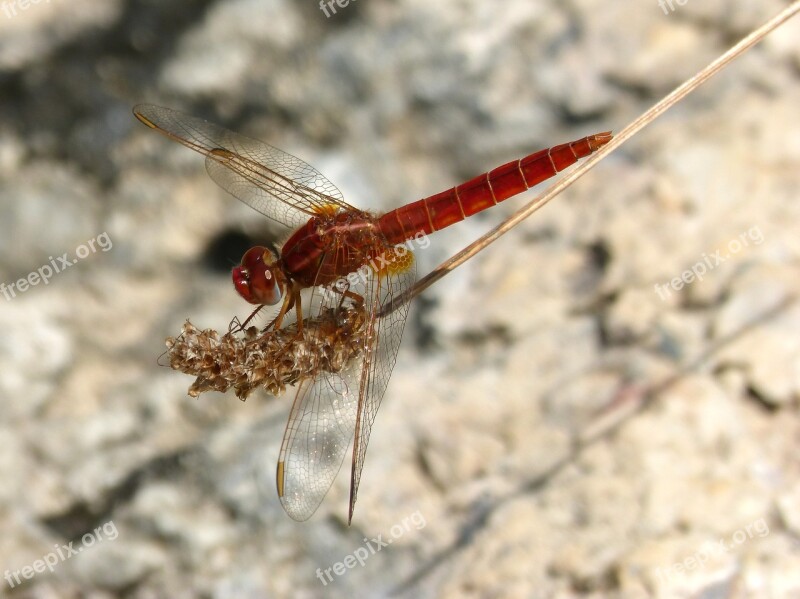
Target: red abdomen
<point>484,191</point>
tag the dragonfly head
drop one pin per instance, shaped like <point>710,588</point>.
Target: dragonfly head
<point>259,278</point>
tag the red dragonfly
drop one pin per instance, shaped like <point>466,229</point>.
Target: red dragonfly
<point>338,254</point>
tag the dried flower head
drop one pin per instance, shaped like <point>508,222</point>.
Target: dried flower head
<point>273,359</point>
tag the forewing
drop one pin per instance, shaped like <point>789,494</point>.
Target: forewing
<point>330,409</point>
<point>278,185</point>
<point>384,335</point>
<point>317,436</point>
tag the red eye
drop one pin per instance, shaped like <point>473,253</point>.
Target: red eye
<point>255,278</point>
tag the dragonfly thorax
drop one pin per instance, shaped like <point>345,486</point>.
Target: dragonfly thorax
<point>327,248</point>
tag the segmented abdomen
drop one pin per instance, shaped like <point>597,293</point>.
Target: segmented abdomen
<point>484,191</point>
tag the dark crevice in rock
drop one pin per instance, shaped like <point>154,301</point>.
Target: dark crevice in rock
<point>82,517</point>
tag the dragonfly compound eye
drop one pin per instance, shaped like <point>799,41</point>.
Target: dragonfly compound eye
<point>258,278</point>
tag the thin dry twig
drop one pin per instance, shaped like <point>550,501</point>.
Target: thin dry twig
<point>629,131</point>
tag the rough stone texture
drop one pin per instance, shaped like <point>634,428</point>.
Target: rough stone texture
<point>560,423</point>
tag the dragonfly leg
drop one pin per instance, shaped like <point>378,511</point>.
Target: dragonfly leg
<point>299,309</point>
<point>358,299</point>
<point>345,293</point>
<point>291,300</point>
<point>237,327</point>
<point>296,302</point>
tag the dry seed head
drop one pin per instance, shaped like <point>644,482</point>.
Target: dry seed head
<point>250,359</point>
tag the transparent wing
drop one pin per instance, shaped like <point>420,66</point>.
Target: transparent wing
<point>384,335</point>
<point>276,184</point>
<point>317,436</point>
<point>330,410</point>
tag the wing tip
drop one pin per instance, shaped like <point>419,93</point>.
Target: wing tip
<point>138,112</point>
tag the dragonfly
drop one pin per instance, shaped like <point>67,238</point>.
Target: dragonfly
<point>337,257</point>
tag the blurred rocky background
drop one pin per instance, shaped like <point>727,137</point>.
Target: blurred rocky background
<point>567,417</point>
